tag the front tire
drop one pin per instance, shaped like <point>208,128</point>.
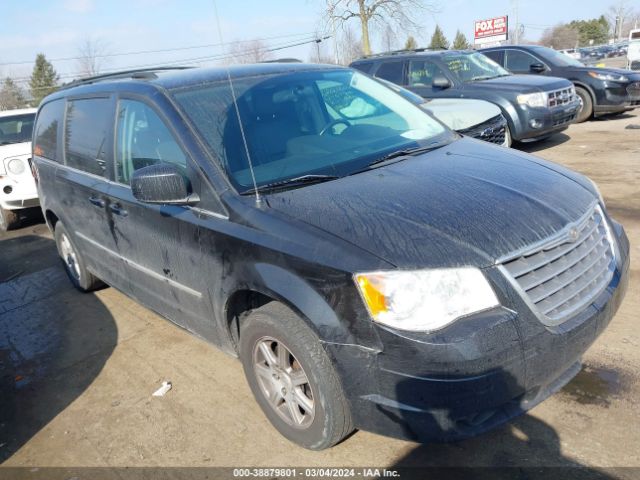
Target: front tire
<point>292,378</point>
<point>8,220</point>
<point>586,111</point>
<point>73,262</point>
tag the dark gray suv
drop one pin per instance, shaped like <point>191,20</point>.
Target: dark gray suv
<point>371,268</point>
<point>534,107</point>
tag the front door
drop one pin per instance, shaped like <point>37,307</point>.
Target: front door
<point>158,243</point>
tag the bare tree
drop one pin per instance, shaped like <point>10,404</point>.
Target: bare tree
<point>618,17</point>
<point>11,95</point>
<point>561,36</point>
<point>92,57</point>
<point>389,38</point>
<point>377,13</point>
<point>252,51</point>
<point>349,46</point>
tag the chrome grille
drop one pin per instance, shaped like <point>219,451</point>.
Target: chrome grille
<point>561,97</point>
<point>493,130</point>
<point>565,275</point>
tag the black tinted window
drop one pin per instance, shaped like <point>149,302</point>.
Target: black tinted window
<point>16,129</point>
<point>518,61</point>
<point>391,71</point>
<point>495,55</point>
<point>143,140</point>
<point>49,120</point>
<point>86,134</point>
<point>364,66</point>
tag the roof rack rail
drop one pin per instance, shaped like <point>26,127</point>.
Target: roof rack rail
<point>139,73</point>
<point>404,50</point>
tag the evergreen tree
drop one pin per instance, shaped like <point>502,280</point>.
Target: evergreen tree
<point>411,43</point>
<point>11,96</point>
<point>460,42</point>
<point>438,40</point>
<point>44,79</point>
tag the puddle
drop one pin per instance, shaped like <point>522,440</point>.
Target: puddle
<point>594,386</point>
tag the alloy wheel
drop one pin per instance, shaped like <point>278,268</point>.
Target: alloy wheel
<point>69,256</point>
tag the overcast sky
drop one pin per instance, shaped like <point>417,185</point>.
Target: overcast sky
<point>57,28</point>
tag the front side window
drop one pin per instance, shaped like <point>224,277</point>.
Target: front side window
<point>472,67</point>
<point>519,61</point>
<point>323,122</point>
<point>46,136</point>
<point>142,140</point>
<point>558,59</point>
<point>422,73</point>
<point>86,133</point>
<point>16,128</point>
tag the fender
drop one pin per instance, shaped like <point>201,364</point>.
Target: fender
<point>313,308</point>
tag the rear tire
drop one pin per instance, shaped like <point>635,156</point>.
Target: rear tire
<point>73,262</point>
<point>586,112</point>
<point>292,378</point>
<point>8,220</point>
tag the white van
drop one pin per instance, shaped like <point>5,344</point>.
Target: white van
<point>17,186</point>
<point>633,53</point>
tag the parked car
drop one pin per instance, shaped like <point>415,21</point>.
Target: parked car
<point>571,52</point>
<point>473,118</point>
<point>602,90</point>
<point>371,268</point>
<point>17,188</point>
<point>529,106</point>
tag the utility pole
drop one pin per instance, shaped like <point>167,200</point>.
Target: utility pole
<point>517,29</point>
<point>331,9</point>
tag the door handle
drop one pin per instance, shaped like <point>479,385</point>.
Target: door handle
<point>117,209</point>
<point>98,202</point>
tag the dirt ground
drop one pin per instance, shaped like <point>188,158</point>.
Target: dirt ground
<point>77,370</point>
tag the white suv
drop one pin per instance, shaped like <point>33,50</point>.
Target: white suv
<point>17,186</point>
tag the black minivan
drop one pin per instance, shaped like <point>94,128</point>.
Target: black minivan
<point>371,268</point>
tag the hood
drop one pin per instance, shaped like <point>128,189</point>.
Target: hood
<point>614,71</point>
<point>468,203</point>
<point>15,150</point>
<point>461,113</point>
<point>523,83</point>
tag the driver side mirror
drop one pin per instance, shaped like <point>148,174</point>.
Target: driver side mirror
<point>537,67</point>
<point>441,82</point>
<point>161,183</point>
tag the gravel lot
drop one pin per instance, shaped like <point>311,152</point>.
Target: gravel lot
<point>77,370</point>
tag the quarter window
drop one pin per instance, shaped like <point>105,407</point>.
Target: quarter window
<point>143,140</point>
<point>86,134</point>
<point>46,136</point>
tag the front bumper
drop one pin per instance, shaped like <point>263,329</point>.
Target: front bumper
<point>538,123</point>
<point>18,193</point>
<point>475,374</point>
<point>618,97</point>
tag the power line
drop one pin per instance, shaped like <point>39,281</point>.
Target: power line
<point>165,50</point>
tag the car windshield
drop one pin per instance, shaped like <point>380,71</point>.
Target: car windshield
<point>311,124</point>
<point>473,67</point>
<point>557,58</point>
<point>16,128</point>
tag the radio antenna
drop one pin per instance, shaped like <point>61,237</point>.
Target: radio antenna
<point>235,105</point>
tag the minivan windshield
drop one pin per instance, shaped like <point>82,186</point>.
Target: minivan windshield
<point>16,128</point>
<point>473,66</point>
<point>316,124</point>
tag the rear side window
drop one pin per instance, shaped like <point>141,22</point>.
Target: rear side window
<point>86,134</point>
<point>391,71</point>
<point>143,140</point>
<point>363,66</point>
<point>496,55</point>
<point>46,134</point>
<point>518,61</point>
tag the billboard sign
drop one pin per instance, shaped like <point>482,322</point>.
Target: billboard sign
<point>491,30</point>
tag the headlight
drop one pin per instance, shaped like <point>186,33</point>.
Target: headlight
<point>15,166</point>
<point>595,187</point>
<point>609,77</point>
<point>424,300</point>
<point>538,99</point>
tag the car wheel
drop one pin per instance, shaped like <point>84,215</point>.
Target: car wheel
<point>292,378</point>
<point>8,220</point>
<point>74,265</point>
<point>586,111</point>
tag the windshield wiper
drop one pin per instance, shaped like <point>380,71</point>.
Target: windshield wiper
<point>399,154</point>
<point>292,183</point>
